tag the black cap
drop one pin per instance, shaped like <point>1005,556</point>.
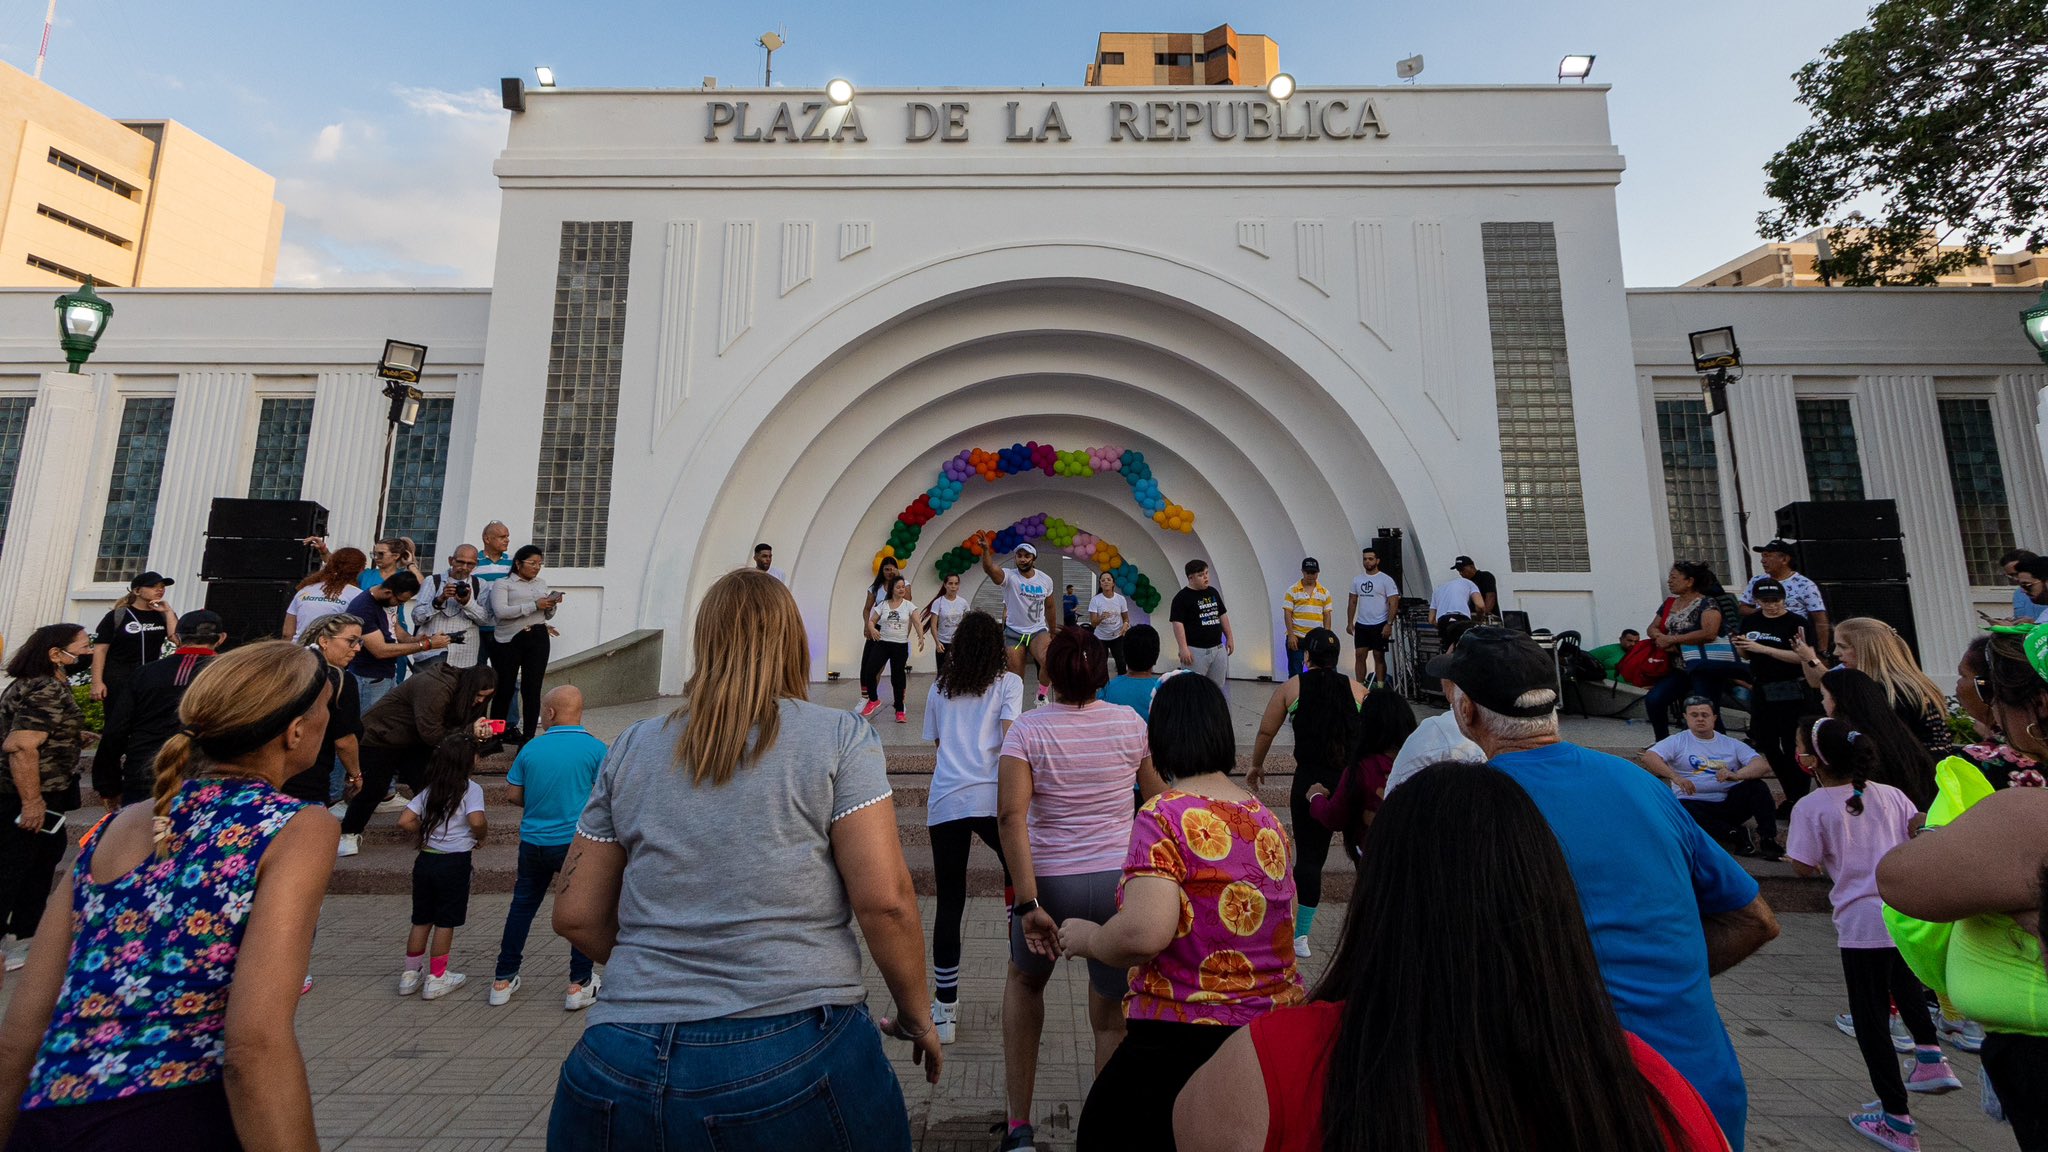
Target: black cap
<point>1774,546</point>
<point>1495,666</point>
<point>199,624</point>
<point>1460,562</point>
<point>150,580</point>
<point>1311,564</point>
<point>1767,589</point>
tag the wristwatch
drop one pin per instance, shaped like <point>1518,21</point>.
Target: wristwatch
<point>1024,908</point>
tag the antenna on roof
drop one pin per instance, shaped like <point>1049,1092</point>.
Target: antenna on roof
<point>49,18</point>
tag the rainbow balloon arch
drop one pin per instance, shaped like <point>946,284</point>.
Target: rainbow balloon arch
<point>1039,529</point>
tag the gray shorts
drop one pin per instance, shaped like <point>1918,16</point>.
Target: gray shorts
<point>1089,896</point>
<point>1015,639</point>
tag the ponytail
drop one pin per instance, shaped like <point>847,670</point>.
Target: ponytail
<point>171,762</point>
<point>1844,752</point>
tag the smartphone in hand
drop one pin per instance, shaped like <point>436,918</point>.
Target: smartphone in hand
<point>497,727</point>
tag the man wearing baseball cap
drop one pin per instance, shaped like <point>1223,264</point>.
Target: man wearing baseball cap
<point>1458,596</point>
<point>124,768</point>
<point>1308,606</point>
<point>1666,906</point>
<point>1802,595</point>
<point>1025,592</point>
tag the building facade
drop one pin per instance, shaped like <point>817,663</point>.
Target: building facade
<point>130,203</point>
<point>1796,264</point>
<point>1222,55</point>
<point>727,317</point>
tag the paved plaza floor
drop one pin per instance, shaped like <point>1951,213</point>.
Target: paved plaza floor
<point>456,1075</point>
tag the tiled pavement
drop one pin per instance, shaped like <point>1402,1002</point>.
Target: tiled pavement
<point>459,1076</point>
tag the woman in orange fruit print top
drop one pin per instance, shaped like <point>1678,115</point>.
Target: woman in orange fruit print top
<point>1205,922</point>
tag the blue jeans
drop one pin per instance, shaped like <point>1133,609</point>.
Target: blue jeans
<point>538,864</point>
<point>814,1080</point>
<point>1296,658</point>
<point>1675,686</point>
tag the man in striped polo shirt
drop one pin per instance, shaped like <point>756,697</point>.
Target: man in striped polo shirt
<point>1307,604</point>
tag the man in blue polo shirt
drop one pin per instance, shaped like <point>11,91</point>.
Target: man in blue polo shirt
<point>1666,906</point>
<point>551,779</point>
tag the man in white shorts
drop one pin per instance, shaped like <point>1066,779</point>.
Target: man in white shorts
<point>1025,591</point>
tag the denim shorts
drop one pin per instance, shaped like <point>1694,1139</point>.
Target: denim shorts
<point>810,1080</point>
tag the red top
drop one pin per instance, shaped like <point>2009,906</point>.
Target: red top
<point>1293,1044</point>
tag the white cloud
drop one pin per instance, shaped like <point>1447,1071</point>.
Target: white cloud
<point>477,104</point>
<point>327,145</point>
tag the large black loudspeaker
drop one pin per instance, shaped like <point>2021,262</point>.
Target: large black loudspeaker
<point>1829,560</point>
<point>229,558</point>
<point>1387,543</point>
<point>1839,520</point>
<point>250,609</point>
<point>1887,600</point>
<point>266,519</point>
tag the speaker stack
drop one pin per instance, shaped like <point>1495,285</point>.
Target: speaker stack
<point>1855,552</point>
<point>254,561</point>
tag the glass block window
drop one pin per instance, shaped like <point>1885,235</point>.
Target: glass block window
<point>1539,443</point>
<point>1827,435</point>
<point>131,492</point>
<point>1692,481</point>
<point>13,428</point>
<point>419,469</point>
<point>282,431</point>
<point>573,491</point>
<point>1978,481</point>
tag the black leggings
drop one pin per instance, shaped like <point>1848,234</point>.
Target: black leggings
<point>1773,728</point>
<point>380,767</point>
<point>28,864</point>
<point>1311,839</point>
<point>1746,801</point>
<point>894,653</point>
<point>2018,1068</point>
<point>525,656</point>
<point>1115,645</point>
<point>951,842</point>
<point>1878,979</point>
<point>1130,1107</point>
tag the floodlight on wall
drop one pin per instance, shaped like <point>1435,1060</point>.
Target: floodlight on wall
<point>2035,320</point>
<point>402,361</point>
<point>1280,87</point>
<point>1574,68</point>
<point>81,320</point>
<point>839,92</point>
<point>544,75</point>
<point>512,94</point>
<point>1714,350</point>
<point>1409,68</point>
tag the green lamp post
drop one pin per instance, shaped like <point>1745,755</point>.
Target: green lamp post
<point>2035,321</point>
<point>81,320</point>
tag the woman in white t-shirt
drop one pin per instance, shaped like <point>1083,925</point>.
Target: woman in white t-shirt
<point>942,619</point>
<point>1110,616</point>
<point>967,714</point>
<point>891,627</point>
<point>325,592</point>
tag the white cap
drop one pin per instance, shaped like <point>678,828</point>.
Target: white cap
<point>1024,548</point>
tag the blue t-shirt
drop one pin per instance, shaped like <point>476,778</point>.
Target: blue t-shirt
<point>2024,608</point>
<point>1646,874</point>
<point>1133,692</point>
<point>557,768</point>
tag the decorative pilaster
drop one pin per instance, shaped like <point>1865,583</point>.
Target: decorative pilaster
<point>205,445</point>
<point>1905,460</point>
<point>2018,410</point>
<point>345,454</point>
<point>50,490</point>
<point>459,525</point>
<point>1766,411</point>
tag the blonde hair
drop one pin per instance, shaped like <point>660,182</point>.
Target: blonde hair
<point>237,690</point>
<point>749,653</point>
<point>1884,657</point>
<point>327,628</point>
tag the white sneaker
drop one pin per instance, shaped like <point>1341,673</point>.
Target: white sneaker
<point>436,987</point>
<point>944,1016</point>
<point>1902,1040</point>
<point>1301,947</point>
<point>582,996</point>
<point>409,981</point>
<point>1967,1035</point>
<point>351,843</point>
<point>503,996</point>
<point>391,803</point>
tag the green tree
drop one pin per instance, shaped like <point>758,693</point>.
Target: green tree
<point>1930,129</point>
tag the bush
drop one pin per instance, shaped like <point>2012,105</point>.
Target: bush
<point>95,712</point>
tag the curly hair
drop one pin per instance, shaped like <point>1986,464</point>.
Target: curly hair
<point>975,658</point>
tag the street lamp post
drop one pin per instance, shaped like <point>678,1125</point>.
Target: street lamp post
<point>81,320</point>
<point>1719,362</point>
<point>400,368</point>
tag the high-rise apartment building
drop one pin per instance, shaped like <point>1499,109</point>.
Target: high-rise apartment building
<point>130,203</point>
<point>1222,55</point>
<point>1796,264</point>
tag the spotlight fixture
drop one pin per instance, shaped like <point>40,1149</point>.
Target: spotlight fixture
<point>545,75</point>
<point>1280,87</point>
<point>839,92</point>
<point>1575,68</point>
<point>512,94</point>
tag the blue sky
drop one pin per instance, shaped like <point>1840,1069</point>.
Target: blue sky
<point>380,119</point>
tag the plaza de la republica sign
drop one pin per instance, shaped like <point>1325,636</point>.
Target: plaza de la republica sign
<point>952,122</point>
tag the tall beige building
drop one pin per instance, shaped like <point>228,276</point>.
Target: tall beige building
<point>1796,264</point>
<point>130,203</point>
<point>1222,55</point>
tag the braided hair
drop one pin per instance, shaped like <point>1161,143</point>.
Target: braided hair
<point>1842,752</point>
<point>240,702</point>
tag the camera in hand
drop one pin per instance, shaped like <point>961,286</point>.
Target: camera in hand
<point>459,590</point>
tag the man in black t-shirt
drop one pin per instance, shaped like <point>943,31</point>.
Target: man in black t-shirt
<point>1201,627</point>
<point>1778,692</point>
<point>1489,587</point>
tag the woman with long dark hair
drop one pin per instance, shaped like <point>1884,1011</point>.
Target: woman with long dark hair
<point>1691,615</point>
<point>1385,722</point>
<point>878,594</point>
<point>891,626</point>
<point>942,619</point>
<point>326,592</point>
<point>45,731</point>
<point>402,730</point>
<point>1465,924</point>
<point>1324,705</point>
<point>1902,760</point>
<point>967,714</point>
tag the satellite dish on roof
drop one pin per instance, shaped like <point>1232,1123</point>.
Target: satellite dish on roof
<point>1408,69</point>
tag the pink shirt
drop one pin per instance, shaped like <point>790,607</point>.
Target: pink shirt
<point>1827,836</point>
<point>1084,763</point>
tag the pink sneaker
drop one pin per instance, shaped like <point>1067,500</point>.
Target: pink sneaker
<point>902,719</point>
<point>1932,1077</point>
<point>870,708</point>
<point>1878,1128</point>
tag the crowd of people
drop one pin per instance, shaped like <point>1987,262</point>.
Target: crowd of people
<point>1525,960</point>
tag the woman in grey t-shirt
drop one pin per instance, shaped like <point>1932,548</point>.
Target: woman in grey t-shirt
<point>718,871</point>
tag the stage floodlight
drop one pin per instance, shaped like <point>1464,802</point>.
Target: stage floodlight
<point>1280,87</point>
<point>1575,68</point>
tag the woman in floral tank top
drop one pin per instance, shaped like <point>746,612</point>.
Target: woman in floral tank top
<point>1205,922</point>
<point>122,1033</point>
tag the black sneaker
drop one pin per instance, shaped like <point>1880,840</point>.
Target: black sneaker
<point>1770,849</point>
<point>1018,1139</point>
<point>1740,844</point>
